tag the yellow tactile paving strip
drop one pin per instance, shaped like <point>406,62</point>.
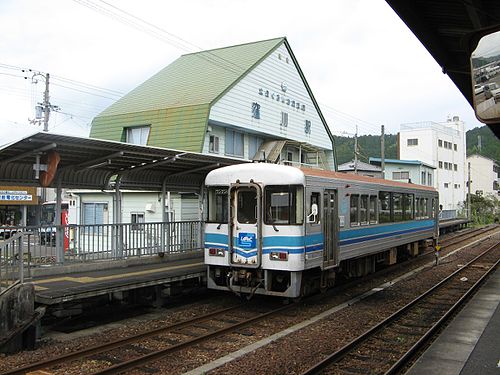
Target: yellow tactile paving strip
<point>91,279</point>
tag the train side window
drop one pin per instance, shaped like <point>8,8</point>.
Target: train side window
<point>354,213</point>
<point>397,206</point>
<point>315,199</point>
<point>284,205</point>
<point>373,209</point>
<point>384,214</point>
<point>409,213</point>
<point>363,209</point>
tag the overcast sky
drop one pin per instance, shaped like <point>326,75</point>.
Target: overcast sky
<point>363,65</point>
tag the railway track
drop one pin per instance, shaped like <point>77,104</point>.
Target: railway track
<point>132,352</point>
<point>391,345</point>
<point>462,237</point>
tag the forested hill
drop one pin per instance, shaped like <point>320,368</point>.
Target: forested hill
<point>490,145</point>
<point>369,145</point>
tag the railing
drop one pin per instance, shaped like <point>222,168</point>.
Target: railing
<point>47,245</point>
<point>11,261</point>
<point>447,214</point>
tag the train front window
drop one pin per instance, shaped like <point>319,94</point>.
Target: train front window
<point>247,206</point>
<point>218,204</point>
<point>284,205</point>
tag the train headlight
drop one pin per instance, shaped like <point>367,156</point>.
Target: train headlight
<point>278,255</point>
<point>216,252</point>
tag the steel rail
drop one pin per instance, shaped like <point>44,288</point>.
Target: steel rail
<point>114,344</point>
<point>403,361</point>
<point>148,358</point>
<point>336,356</point>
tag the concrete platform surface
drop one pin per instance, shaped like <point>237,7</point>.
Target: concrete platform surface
<point>470,345</point>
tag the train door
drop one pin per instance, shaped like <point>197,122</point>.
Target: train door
<point>330,225</point>
<point>245,243</point>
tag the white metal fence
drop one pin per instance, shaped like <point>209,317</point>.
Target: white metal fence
<point>46,245</point>
<point>11,261</point>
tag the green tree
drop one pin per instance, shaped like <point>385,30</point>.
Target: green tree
<point>484,210</point>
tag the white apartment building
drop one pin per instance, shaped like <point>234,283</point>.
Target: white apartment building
<point>441,145</point>
<point>484,176</point>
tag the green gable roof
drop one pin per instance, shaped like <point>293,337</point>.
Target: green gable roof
<point>176,101</point>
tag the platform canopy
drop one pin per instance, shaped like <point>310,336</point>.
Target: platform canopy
<point>87,163</point>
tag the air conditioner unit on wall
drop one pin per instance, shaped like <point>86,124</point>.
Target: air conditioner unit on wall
<point>150,207</point>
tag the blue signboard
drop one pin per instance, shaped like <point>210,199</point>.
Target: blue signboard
<point>247,240</point>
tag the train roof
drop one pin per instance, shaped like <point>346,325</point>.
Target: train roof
<point>366,179</point>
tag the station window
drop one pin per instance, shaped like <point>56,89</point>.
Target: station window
<point>234,143</point>
<point>354,212</point>
<point>373,209</point>
<point>397,206</point>
<point>363,209</point>
<point>136,220</point>
<point>213,144</point>
<point>218,204</point>
<point>284,205</point>
<point>384,214</point>
<point>137,135</point>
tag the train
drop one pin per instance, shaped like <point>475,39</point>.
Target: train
<point>279,230</point>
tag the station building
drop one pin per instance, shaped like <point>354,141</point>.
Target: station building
<point>249,101</point>
<point>484,176</point>
<point>411,171</point>
<point>442,146</point>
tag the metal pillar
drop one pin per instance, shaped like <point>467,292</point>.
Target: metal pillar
<point>58,225</point>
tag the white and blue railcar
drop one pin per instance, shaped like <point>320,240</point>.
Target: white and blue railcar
<point>280,230</point>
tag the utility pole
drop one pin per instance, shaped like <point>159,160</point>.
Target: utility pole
<point>468,192</point>
<point>382,151</point>
<point>46,104</point>
<point>356,151</point>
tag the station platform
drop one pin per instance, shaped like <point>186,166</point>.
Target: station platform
<point>470,344</point>
<point>76,282</point>
<point>452,225</point>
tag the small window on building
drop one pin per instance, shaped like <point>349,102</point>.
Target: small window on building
<point>234,143</point>
<point>213,144</point>
<point>284,119</point>
<point>440,142</point>
<point>454,146</point>
<point>446,185</point>
<point>137,220</point>
<point>445,144</point>
<point>396,175</point>
<point>412,142</point>
<point>429,179</point>
<point>354,214</point>
<point>455,167</point>
<point>254,144</point>
<point>405,175</point>
<point>440,164</point>
<point>423,175</point>
<point>137,135</point>
<point>256,110</point>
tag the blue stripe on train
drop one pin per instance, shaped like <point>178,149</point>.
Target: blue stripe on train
<point>314,242</point>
